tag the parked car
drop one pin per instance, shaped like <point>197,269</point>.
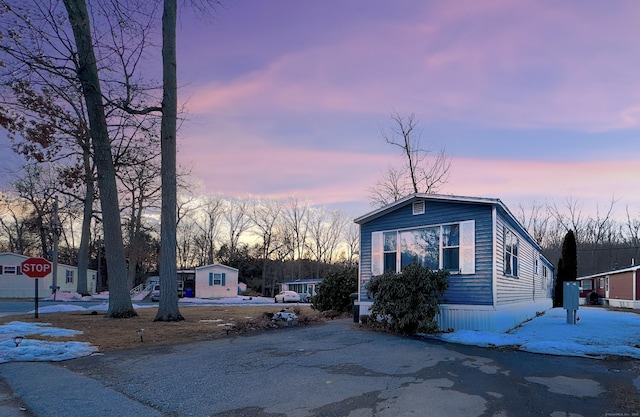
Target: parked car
<point>155,293</point>
<point>287,297</point>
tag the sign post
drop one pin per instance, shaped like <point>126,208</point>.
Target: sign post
<point>36,268</point>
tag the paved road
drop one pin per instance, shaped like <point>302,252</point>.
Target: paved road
<point>335,369</point>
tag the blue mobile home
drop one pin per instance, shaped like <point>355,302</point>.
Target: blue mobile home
<point>499,277</point>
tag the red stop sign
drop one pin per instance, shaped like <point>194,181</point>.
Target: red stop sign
<point>36,267</point>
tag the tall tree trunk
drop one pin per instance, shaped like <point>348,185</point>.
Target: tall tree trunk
<point>168,308</point>
<point>119,296</point>
<point>83,249</point>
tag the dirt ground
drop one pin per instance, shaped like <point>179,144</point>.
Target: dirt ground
<point>201,323</point>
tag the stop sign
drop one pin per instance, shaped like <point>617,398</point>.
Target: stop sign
<point>36,267</point>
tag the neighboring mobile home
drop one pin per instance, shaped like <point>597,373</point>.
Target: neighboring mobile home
<point>216,281</point>
<point>14,284</point>
<point>617,288</point>
<point>499,277</point>
<point>307,288</point>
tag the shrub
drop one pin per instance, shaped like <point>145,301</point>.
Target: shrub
<point>334,290</point>
<point>407,302</point>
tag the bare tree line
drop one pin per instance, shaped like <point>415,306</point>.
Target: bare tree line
<point>270,240</point>
<point>604,240</point>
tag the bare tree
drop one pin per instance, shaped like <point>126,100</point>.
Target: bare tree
<point>38,186</point>
<point>324,231</point>
<point>238,221</point>
<point>16,225</point>
<point>120,305</point>
<point>392,187</point>
<point>294,230</point>
<point>265,216</point>
<point>632,228</point>
<point>537,220</point>
<point>423,171</point>
<point>209,225</point>
<point>351,238</point>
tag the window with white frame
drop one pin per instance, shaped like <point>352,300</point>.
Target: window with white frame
<point>69,276</point>
<point>446,246</point>
<point>217,279</point>
<point>511,244</point>
<point>536,267</point>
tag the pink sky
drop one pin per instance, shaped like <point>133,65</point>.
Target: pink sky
<point>532,100</point>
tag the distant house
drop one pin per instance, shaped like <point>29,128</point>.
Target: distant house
<point>616,288</point>
<point>14,284</point>
<point>216,281</point>
<point>307,288</point>
<point>499,277</point>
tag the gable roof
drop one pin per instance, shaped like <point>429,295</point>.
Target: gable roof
<point>217,265</point>
<point>494,202</point>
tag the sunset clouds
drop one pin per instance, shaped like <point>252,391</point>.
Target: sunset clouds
<point>530,98</point>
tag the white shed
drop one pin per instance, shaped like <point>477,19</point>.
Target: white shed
<point>216,281</point>
<point>14,284</point>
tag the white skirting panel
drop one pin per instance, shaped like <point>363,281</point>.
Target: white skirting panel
<point>485,318</point>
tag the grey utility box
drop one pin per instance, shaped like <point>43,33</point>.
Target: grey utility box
<point>571,300</point>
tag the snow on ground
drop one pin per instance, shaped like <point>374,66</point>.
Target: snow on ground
<point>26,350</point>
<point>598,333</point>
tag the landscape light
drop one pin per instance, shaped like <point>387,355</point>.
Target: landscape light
<point>139,332</point>
<point>17,340</point>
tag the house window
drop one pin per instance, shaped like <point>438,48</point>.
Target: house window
<point>510,253</point>
<point>586,285</point>
<point>390,251</point>
<point>69,276</point>
<point>601,282</point>
<point>421,246</point>
<point>535,266</point>
<point>10,269</point>
<point>450,246</point>
<point>217,279</point>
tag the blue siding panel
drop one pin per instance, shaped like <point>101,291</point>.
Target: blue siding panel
<point>528,285</point>
<point>475,289</point>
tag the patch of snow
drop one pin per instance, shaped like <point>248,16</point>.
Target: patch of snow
<point>599,333</point>
<point>37,350</point>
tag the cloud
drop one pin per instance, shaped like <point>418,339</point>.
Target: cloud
<point>495,64</point>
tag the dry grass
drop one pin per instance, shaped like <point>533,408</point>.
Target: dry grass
<point>201,323</point>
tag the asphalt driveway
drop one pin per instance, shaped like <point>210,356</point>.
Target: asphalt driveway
<point>336,369</point>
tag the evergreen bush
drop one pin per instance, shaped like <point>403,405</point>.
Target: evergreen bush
<point>334,290</point>
<point>407,302</point>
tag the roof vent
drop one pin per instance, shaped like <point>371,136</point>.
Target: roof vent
<point>418,207</point>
